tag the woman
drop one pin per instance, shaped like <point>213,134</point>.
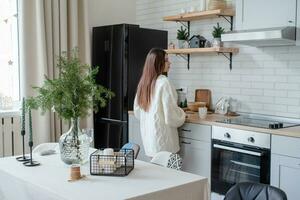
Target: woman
<point>156,107</point>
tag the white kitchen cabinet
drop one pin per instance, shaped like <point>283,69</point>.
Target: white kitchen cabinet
<point>196,157</point>
<point>285,174</point>
<point>195,148</point>
<point>134,136</point>
<point>285,165</point>
<point>257,14</point>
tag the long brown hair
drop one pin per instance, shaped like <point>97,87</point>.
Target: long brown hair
<point>154,66</point>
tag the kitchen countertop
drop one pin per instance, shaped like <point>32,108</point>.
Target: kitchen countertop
<point>212,118</point>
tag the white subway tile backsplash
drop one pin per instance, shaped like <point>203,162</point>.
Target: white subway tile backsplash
<point>294,94</point>
<point>274,50</point>
<point>251,64</point>
<point>252,92</point>
<point>275,64</point>
<point>265,80</point>
<point>287,56</point>
<point>261,99</point>
<point>251,107</point>
<point>213,77</point>
<point>262,85</point>
<point>287,86</point>
<point>249,50</point>
<point>220,84</point>
<point>231,91</point>
<point>274,107</point>
<point>228,77</point>
<point>287,101</point>
<point>288,71</point>
<point>252,78</point>
<point>293,79</point>
<point>274,78</point>
<point>294,109</point>
<point>275,93</point>
<point>294,49</point>
<point>240,84</point>
<point>287,114</point>
<point>294,64</point>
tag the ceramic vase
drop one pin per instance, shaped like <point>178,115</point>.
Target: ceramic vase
<point>217,42</point>
<point>182,44</point>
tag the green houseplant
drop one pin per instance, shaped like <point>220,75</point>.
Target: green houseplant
<point>72,95</point>
<point>182,37</point>
<point>217,32</point>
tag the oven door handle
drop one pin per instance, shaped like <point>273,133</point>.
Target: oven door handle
<point>237,150</point>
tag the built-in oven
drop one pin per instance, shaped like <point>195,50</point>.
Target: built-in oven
<point>239,156</point>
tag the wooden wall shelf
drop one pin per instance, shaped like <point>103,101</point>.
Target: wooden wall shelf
<point>202,50</point>
<point>200,15</point>
<point>185,20</point>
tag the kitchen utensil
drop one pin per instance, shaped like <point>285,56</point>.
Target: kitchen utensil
<point>203,95</point>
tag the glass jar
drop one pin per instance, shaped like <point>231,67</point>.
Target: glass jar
<point>74,145</point>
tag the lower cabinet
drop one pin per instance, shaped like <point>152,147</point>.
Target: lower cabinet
<point>285,174</point>
<point>285,165</point>
<point>195,148</point>
<point>196,156</point>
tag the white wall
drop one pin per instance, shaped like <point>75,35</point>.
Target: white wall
<point>264,80</point>
<point>107,12</point>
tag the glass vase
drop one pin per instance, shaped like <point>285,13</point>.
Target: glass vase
<point>74,145</point>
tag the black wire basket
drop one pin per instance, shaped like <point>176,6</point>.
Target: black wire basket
<point>119,164</point>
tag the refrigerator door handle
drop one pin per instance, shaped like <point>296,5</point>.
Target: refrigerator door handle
<point>112,121</point>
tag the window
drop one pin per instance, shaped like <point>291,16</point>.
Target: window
<point>9,59</point>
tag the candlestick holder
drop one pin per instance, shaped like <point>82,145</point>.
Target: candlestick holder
<point>31,163</point>
<point>23,158</point>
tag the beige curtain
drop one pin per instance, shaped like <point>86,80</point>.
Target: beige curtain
<point>48,27</point>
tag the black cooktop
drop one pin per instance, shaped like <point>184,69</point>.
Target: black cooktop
<point>260,123</point>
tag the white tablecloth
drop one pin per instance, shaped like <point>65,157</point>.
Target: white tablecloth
<point>49,182</point>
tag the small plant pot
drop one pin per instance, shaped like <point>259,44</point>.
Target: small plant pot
<point>217,42</point>
<point>182,44</point>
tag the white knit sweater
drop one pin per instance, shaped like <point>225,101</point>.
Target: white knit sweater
<point>159,124</point>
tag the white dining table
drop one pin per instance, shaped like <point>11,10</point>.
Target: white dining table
<point>49,181</point>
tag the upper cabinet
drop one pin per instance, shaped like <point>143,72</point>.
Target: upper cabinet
<point>258,14</point>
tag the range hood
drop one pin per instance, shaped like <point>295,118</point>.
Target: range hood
<point>262,37</point>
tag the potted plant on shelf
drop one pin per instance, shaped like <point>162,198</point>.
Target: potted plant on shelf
<point>72,95</point>
<point>218,30</point>
<point>182,37</point>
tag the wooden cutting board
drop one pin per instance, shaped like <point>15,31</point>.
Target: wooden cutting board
<point>203,95</point>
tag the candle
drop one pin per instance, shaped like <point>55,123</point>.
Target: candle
<point>30,126</point>
<point>23,115</point>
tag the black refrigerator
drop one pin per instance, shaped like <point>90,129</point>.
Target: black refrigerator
<point>120,52</point>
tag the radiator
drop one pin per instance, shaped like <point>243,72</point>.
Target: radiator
<point>10,136</point>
